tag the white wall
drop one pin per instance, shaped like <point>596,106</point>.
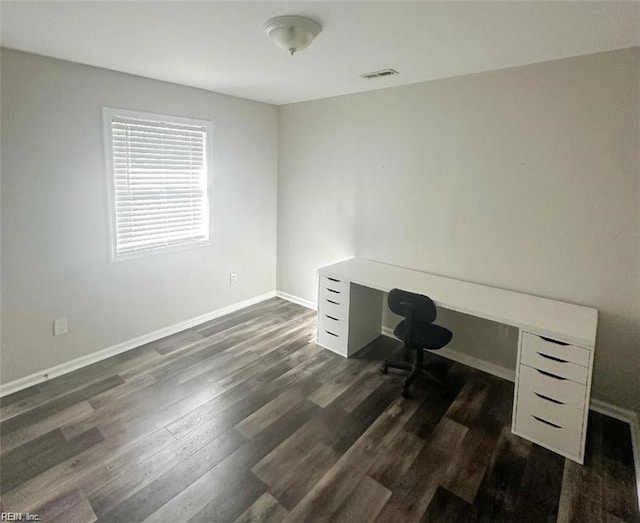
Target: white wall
<point>55,259</point>
<point>526,178</point>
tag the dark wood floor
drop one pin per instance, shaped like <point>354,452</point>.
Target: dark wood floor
<point>245,419</point>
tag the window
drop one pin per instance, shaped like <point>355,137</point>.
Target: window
<point>159,182</point>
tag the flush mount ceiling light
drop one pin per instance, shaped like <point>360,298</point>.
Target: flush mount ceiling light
<point>293,33</point>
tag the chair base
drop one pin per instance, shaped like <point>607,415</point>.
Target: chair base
<point>434,372</point>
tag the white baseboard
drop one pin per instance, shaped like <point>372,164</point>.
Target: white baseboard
<point>295,299</point>
<point>614,411</point>
<point>466,359</point>
<point>83,361</point>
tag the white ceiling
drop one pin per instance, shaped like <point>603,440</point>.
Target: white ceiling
<point>221,46</point>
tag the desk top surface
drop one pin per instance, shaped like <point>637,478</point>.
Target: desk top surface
<point>564,321</point>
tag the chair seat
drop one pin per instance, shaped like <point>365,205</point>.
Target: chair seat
<point>428,336</point>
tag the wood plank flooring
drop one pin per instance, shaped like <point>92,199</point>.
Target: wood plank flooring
<point>245,418</point>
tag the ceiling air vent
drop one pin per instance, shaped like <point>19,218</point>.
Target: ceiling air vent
<point>379,74</point>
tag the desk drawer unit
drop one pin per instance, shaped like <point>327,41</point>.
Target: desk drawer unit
<point>333,314</point>
<point>551,401</point>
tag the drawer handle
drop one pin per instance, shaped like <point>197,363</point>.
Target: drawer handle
<point>332,318</point>
<point>334,302</point>
<point>551,340</point>
<point>548,398</point>
<point>553,358</point>
<point>547,422</point>
<point>332,290</point>
<point>332,279</point>
<point>551,375</point>
<point>332,334</point>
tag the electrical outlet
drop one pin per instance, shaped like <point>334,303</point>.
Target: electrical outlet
<point>60,326</point>
<point>233,278</point>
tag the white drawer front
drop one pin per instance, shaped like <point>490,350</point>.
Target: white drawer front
<point>544,433</point>
<point>339,312</point>
<point>335,297</point>
<point>332,341</point>
<point>533,344</point>
<point>562,368</point>
<point>333,304</point>
<point>542,406</point>
<point>329,282</point>
<point>332,325</point>
<point>559,389</point>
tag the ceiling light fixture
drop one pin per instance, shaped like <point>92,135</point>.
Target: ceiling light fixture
<point>293,33</point>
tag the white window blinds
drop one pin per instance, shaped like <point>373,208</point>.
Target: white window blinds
<point>160,182</point>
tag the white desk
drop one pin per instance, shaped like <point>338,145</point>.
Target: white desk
<point>555,347</point>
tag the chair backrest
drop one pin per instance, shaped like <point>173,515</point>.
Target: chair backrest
<point>424,308</point>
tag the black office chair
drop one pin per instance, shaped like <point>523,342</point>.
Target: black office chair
<point>418,332</point>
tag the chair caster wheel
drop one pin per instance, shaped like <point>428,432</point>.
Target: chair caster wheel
<point>406,394</point>
<point>383,369</point>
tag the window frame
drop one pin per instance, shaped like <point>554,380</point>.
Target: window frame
<point>107,114</point>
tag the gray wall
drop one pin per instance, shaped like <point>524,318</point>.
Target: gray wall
<point>55,259</point>
<point>525,179</point>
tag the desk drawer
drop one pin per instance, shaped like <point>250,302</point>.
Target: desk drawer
<point>549,435</point>
<point>556,366</point>
<point>333,304</point>
<point>333,341</point>
<point>329,282</point>
<point>544,407</point>
<point>532,344</point>
<point>332,325</point>
<point>557,388</point>
<point>339,312</point>
<point>333,296</point>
